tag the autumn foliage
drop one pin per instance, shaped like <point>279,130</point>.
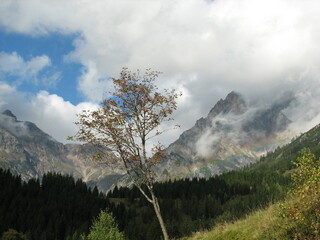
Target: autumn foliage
<point>302,212</point>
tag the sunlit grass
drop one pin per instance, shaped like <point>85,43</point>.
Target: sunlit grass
<point>263,224</point>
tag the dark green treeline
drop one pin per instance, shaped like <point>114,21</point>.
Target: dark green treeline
<point>192,205</point>
<point>59,208</point>
<point>62,208</point>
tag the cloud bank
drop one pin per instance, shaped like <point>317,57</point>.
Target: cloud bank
<point>205,48</point>
<point>49,111</point>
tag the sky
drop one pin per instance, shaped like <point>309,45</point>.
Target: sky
<point>57,57</point>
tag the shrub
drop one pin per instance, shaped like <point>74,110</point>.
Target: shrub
<point>303,209</point>
<point>12,234</point>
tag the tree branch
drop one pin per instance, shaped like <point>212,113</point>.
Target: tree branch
<point>143,193</point>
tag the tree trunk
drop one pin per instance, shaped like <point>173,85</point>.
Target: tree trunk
<point>156,207</point>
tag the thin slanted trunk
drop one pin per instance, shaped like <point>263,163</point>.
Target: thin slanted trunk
<point>156,207</point>
<point>154,201</point>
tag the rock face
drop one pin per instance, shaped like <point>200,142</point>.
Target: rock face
<point>30,152</point>
<point>231,136</point>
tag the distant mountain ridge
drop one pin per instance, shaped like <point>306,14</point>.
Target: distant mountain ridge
<point>28,151</point>
<point>231,136</point>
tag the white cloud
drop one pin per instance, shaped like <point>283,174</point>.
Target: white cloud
<point>50,112</point>
<point>12,64</point>
<point>92,84</point>
<point>56,116</point>
<point>205,49</point>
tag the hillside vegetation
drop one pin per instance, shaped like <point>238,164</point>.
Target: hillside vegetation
<point>242,204</point>
<point>298,216</point>
<point>261,225</point>
<point>197,205</point>
<point>58,207</point>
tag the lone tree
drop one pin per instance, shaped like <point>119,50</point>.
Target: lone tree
<point>125,122</point>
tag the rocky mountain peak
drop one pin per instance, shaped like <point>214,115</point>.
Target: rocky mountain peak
<point>22,129</point>
<point>231,136</point>
<point>9,114</point>
<point>233,103</point>
<point>30,152</point>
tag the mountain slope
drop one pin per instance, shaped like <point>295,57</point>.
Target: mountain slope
<point>267,223</point>
<point>28,151</point>
<point>231,136</point>
<point>261,225</point>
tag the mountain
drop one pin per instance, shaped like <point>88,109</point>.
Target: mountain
<point>198,205</point>
<point>27,151</point>
<point>231,136</point>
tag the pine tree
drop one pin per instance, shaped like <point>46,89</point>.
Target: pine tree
<point>104,228</point>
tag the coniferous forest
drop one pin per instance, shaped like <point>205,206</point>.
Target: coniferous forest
<point>60,207</point>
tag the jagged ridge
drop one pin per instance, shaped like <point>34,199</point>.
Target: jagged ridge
<point>29,152</point>
<point>227,138</point>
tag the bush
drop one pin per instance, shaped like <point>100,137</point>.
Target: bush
<point>12,234</point>
<point>302,211</point>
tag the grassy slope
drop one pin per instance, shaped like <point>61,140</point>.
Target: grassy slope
<point>265,224</point>
<point>261,225</point>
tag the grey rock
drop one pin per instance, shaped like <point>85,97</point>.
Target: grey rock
<point>230,137</point>
<point>27,151</point>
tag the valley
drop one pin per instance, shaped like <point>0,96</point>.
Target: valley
<point>223,197</point>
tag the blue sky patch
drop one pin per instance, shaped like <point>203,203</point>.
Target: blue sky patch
<point>56,47</point>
